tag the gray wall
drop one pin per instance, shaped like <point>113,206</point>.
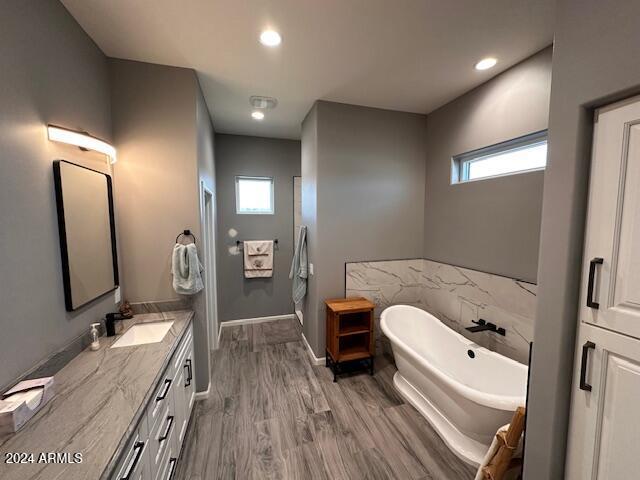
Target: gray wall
<point>596,42</point>
<point>154,127</point>
<point>51,73</point>
<point>238,297</point>
<point>369,188</point>
<point>165,147</point>
<point>491,225</point>
<point>206,177</point>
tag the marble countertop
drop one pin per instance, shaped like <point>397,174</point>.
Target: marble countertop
<point>99,398</point>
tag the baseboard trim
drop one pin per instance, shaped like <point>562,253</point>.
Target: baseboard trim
<point>247,321</point>
<point>203,395</point>
<point>314,360</point>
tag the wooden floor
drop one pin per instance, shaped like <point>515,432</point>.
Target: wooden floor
<point>271,414</point>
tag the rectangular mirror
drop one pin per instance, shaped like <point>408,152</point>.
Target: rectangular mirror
<point>86,226</point>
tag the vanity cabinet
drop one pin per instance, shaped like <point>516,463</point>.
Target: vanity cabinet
<point>153,451</point>
<point>603,438</point>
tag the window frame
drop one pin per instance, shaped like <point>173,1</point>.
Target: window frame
<point>238,178</point>
<point>460,163</point>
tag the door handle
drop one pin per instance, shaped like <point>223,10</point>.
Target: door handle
<point>583,366</point>
<point>592,277</point>
<point>165,390</point>
<point>165,435</point>
<point>189,368</point>
<point>138,447</point>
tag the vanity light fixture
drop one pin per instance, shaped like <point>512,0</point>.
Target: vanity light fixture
<point>82,140</point>
<point>270,38</point>
<point>257,115</point>
<point>486,63</point>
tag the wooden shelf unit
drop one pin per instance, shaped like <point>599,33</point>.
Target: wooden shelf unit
<point>349,331</point>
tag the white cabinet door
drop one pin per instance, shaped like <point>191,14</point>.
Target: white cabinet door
<point>180,405</point>
<point>190,382</point>
<point>611,273</point>
<point>604,434</point>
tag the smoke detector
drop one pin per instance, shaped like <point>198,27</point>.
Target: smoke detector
<point>263,103</point>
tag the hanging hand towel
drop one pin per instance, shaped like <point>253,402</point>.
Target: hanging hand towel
<point>186,269</point>
<point>299,267</point>
<point>258,247</point>
<point>258,259</point>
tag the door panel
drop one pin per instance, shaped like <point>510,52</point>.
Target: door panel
<point>613,223</point>
<point>604,438</point>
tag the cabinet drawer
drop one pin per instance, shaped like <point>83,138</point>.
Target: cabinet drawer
<point>161,438</point>
<point>169,464</point>
<point>135,463</point>
<point>161,397</point>
<point>181,352</point>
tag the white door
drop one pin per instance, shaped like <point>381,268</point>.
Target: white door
<point>297,222</point>
<point>604,436</point>
<point>604,431</point>
<point>209,239</point>
<point>611,272</point>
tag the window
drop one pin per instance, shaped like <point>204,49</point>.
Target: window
<point>523,154</point>
<point>254,195</point>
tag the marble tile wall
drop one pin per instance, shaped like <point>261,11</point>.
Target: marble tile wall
<point>455,295</point>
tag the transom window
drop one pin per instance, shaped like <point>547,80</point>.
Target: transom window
<point>524,154</point>
<point>254,195</point>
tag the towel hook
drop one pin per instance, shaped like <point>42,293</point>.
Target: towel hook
<point>186,233</point>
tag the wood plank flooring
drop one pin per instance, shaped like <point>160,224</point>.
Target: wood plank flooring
<point>273,415</point>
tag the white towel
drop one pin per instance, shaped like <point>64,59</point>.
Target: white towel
<point>258,247</point>
<point>299,267</point>
<point>493,449</point>
<point>258,259</point>
<point>186,269</point>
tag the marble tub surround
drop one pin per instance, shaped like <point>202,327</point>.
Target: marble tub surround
<point>455,295</point>
<point>100,397</point>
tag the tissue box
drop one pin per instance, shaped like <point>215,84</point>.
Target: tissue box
<point>23,401</point>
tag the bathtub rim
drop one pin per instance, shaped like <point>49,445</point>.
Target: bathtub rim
<point>500,402</point>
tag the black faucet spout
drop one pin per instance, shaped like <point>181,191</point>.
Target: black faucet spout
<point>110,322</point>
<point>484,326</point>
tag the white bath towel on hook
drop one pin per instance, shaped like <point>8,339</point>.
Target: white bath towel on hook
<point>258,259</point>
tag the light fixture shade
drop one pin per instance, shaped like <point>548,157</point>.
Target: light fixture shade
<point>486,63</point>
<point>82,140</point>
<point>270,38</point>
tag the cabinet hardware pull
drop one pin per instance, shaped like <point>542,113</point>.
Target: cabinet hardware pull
<point>189,372</point>
<point>172,469</point>
<point>165,391</point>
<point>168,430</point>
<point>592,276</point>
<point>138,447</point>
<point>583,366</point>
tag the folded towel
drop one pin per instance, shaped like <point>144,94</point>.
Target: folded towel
<point>258,259</point>
<point>260,247</point>
<point>186,269</point>
<point>299,267</point>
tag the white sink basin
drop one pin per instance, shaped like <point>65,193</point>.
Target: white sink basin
<point>143,333</point>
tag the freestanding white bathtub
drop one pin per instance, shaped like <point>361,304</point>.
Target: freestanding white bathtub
<point>466,392</point>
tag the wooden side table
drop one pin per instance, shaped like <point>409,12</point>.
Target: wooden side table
<point>350,337</point>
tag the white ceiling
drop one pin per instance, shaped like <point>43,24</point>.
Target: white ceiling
<point>408,55</point>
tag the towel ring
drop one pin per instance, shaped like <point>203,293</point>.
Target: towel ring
<point>186,233</point>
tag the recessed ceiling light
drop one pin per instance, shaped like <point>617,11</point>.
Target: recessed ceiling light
<point>257,115</point>
<point>270,38</point>
<point>486,63</point>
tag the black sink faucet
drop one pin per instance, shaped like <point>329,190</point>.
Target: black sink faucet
<point>110,322</point>
<point>483,326</point>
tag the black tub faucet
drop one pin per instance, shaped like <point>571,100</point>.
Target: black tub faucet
<point>483,326</point>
